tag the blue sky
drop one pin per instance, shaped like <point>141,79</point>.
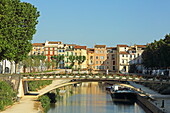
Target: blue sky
<point>110,22</point>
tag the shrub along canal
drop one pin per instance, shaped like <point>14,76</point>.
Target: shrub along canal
<point>91,97</point>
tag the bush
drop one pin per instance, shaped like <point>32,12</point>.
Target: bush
<point>36,85</point>
<point>45,101</point>
<point>7,95</point>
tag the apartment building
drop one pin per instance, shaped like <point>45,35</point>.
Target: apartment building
<point>51,49</point>
<point>137,60</point>
<point>110,62</point>
<point>37,49</point>
<point>80,51</point>
<point>100,56</point>
<point>69,51</point>
<point>128,55</point>
<point>90,59</point>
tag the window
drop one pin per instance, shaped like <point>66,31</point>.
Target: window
<point>55,52</point>
<point>91,62</point>
<point>101,62</point>
<point>138,54</point>
<point>126,55</point>
<point>113,62</point>
<point>97,67</point>
<point>46,52</point>
<point>130,56</point>
<point>51,52</point>
<point>113,57</point>
<point>113,67</point>
<point>91,57</point>
<point>123,55</point>
<point>38,52</point>
<point>96,51</point>
<point>123,61</point>
<point>101,57</point>
<point>96,57</point>
<point>96,62</point>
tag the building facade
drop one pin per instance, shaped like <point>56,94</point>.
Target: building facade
<point>99,58</point>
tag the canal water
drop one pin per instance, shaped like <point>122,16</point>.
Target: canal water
<point>91,97</point>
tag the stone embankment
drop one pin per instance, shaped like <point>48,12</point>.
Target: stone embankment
<point>156,102</point>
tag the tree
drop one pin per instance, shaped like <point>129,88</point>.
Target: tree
<point>58,59</point>
<point>27,62</point>
<point>133,68</point>
<point>80,59</point>
<point>72,60</point>
<point>156,55</point>
<point>18,22</point>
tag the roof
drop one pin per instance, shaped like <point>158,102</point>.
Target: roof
<point>100,46</point>
<point>90,50</point>
<point>80,47</point>
<point>123,52</point>
<point>71,44</point>
<point>54,42</point>
<point>38,44</point>
<point>142,46</point>
<point>113,48</point>
<point>122,45</point>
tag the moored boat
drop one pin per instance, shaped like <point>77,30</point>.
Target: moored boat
<point>121,92</point>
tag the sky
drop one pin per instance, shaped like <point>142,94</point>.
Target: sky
<point>109,22</point>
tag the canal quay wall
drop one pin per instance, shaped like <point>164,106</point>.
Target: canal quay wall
<point>149,99</point>
<point>149,105</point>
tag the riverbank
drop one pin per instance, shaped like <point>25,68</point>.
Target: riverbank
<point>27,104</point>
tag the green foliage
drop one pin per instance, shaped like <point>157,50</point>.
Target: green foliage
<point>33,61</point>
<point>133,68</point>
<point>45,101</point>
<point>36,85</point>
<point>160,88</point>
<point>57,59</point>
<point>80,59</point>
<point>17,26</point>
<point>72,60</point>
<point>7,95</point>
<point>156,55</point>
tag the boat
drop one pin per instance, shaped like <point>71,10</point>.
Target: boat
<point>121,92</point>
<point>108,88</point>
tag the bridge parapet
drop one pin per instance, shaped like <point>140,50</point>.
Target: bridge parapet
<point>94,77</point>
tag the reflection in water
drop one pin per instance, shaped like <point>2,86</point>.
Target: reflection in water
<point>92,98</point>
